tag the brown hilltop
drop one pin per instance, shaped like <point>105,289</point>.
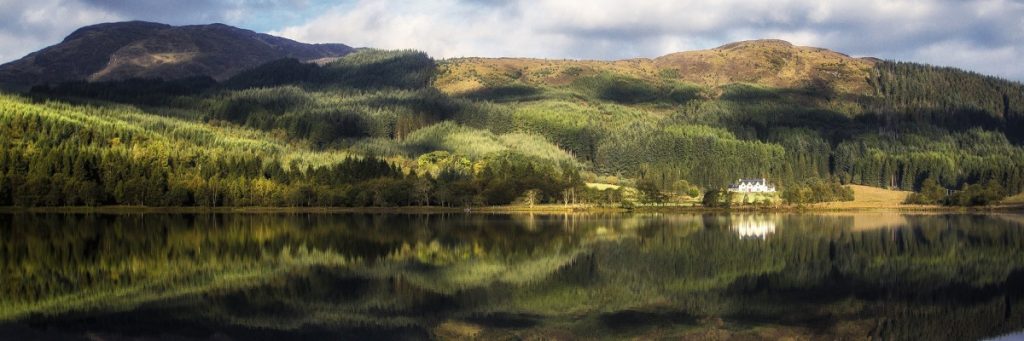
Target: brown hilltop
<point>469,74</point>
<point>150,50</point>
<point>774,63</point>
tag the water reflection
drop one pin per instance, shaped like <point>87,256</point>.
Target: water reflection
<point>252,276</point>
<point>753,225</point>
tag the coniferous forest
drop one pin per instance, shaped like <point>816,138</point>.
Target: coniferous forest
<point>397,128</point>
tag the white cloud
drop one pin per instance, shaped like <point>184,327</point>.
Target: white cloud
<point>30,26</point>
<point>1003,61</point>
<point>443,28</point>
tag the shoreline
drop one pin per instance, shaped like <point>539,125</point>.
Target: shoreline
<point>508,209</point>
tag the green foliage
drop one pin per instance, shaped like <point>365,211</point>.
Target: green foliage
<point>931,193</point>
<point>698,154</point>
<point>744,92</point>
<point>627,90</point>
<point>277,73</point>
<point>568,125</point>
<point>604,197</point>
<point>904,159</point>
<point>144,91</point>
<point>977,195</point>
<point>363,69</point>
<point>507,93</point>
<point>505,176</point>
<point>807,153</point>
<point>328,119</point>
<point>371,68</point>
<point>683,187</point>
<point>717,198</point>
<point>650,193</point>
<point>469,142</point>
<point>816,191</point>
<point>57,154</point>
<point>949,97</point>
<point>969,195</point>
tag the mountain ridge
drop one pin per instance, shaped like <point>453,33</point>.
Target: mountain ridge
<point>139,49</point>
<point>768,62</point>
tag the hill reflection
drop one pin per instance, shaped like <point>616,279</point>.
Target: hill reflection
<point>502,276</point>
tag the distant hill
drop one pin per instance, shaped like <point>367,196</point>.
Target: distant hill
<point>773,63</point>
<point>757,77</point>
<point>136,49</point>
<point>770,62</point>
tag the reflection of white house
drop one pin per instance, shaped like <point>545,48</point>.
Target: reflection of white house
<point>752,226</point>
<point>752,186</point>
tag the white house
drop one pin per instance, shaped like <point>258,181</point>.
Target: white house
<point>752,186</point>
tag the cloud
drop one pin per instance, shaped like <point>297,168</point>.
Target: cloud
<point>985,36</point>
<point>203,11</point>
<point>27,24</point>
<point>1004,61</point>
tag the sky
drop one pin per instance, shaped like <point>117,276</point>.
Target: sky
<point>986,36</point>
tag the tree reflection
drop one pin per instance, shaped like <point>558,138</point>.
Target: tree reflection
<point>790,275</point>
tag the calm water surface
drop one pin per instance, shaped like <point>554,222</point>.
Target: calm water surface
<point>359,276</point>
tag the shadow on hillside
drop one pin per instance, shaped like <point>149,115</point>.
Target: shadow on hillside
<point>506,93</point>
<point>505,320</point>
<point>626,90</point>
<point>632,319</point>
<point>750,93</point>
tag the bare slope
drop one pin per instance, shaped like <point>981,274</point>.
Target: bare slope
<point>866,197</point>
<point>772,63</point>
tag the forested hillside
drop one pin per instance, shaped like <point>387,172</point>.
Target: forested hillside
<point>488,131</point>
<point>59,154</point>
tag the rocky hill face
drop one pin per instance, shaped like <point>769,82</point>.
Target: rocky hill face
<point>150,50</point>
<point>773,63</point>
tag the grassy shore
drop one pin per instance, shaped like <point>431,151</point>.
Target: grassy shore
<point>865,199</point>
<point>511,209</point>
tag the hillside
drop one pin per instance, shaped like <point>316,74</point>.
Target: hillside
<point>59,154</point>
<point>772,63</point>
<point>56,153</point>
<point>137,49</point>
<point>478,131</point>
